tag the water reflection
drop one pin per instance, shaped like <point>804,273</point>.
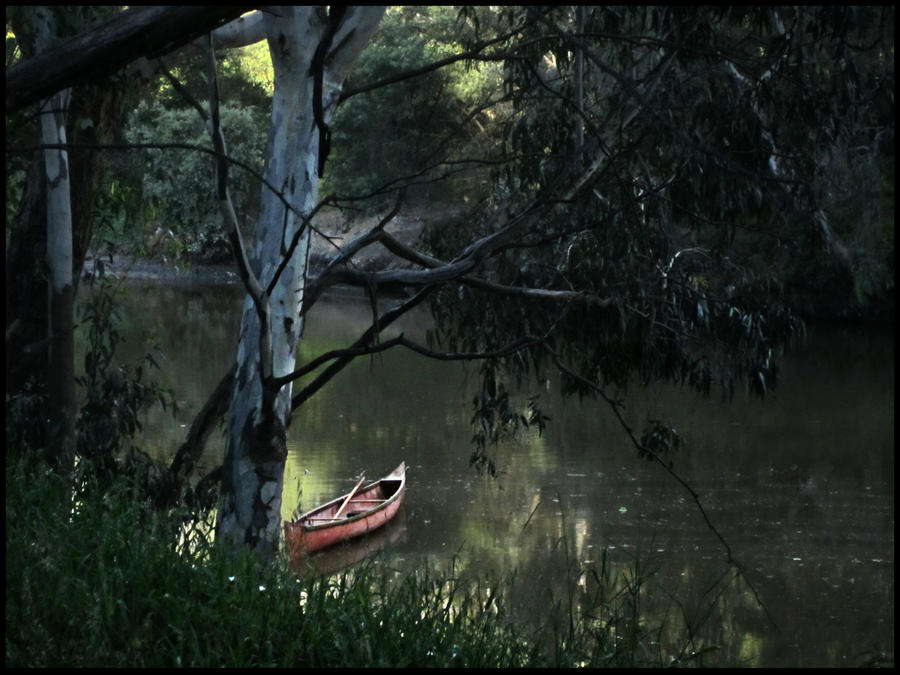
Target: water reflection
<point>800,485</point>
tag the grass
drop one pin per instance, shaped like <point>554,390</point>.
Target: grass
<point>102,585</point>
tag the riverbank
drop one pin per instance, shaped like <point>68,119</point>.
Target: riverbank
<point>332,231</point>
<point>133,598</point>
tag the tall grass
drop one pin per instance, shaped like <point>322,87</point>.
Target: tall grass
<point>103,584</point>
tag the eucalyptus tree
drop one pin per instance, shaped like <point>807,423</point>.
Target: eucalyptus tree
<point>312,51</point>
<point>650,189</point>
<point>645,211</point>
<point>67,94</point>
<point>61,361</point>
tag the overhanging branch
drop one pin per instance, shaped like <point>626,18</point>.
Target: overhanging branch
<point>401,250</point>
<point>402,341</point>
<point>617,411</point>
<point>367,339</point>
<point>143,31</point>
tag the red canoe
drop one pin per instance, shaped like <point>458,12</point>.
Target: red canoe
<point>351,515</point>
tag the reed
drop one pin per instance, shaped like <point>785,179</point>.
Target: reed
<point>110,586</point>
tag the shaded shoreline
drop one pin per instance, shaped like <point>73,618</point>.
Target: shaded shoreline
<point>159,267</point>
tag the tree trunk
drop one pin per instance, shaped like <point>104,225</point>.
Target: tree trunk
<point>61,359</point>
<point>26,285</point>
<point>311,55</point>
<point>94,115</point>
<point>579,86</point>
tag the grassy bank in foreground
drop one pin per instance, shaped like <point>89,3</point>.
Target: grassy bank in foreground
<point>102,585</point>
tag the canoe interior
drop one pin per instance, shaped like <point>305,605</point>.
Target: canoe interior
<point>366,499</point>
<point>369,508</point>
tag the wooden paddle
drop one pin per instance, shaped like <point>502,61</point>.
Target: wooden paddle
<point>349,497</point>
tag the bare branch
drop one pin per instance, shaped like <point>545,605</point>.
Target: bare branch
<point>243,31</point>
<point>402,341</point>
<point>404,251</point>
<point>251,283</point>
<point>365,340</point>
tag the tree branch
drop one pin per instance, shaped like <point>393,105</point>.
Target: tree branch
<point>402,341</point>
<point>473,54</point>
<point>402,250</point>
<point>365,340</point>
<point>190,451</point>
<point>251,283</point>
<point>142,31</point>
<point>616,408</point>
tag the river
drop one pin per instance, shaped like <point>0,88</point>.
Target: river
<point>800,485</point>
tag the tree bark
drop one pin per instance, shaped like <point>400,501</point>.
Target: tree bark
<point>26,287</point>
<point>311,55</point>
<point>95,113</point>
<point>148,31</point>
<point>61,359</point>
<point>579,87</point>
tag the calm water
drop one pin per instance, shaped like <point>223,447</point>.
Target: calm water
<point>800,485</point>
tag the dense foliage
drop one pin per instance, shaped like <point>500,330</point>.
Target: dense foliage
<point>104,583</point>
<point>406,132</point>
<point>739,168</point>
<point>719,209</point>
<point>175,184</point>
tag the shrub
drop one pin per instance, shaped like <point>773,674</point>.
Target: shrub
<point>177,186</point>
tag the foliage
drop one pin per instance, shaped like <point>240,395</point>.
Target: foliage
<point>114,399</point>
<point>388,135</point>
<point>176,186</point>
<point>245,79</point>
<point>113,396</point>
<point>658,440</point>
<point>22,409</point>
<point>120,215</point>
<point>690,246</point>
<point>495,416</point>
<point>132,598</point>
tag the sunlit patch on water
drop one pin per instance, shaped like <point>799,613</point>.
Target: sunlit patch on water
<point>747,461</point>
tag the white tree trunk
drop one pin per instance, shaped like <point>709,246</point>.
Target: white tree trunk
<point>250,503</point>
<point>61,300</point>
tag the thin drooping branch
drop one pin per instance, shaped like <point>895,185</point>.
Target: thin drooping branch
<point>617,411</point>
<point>402,341</point>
